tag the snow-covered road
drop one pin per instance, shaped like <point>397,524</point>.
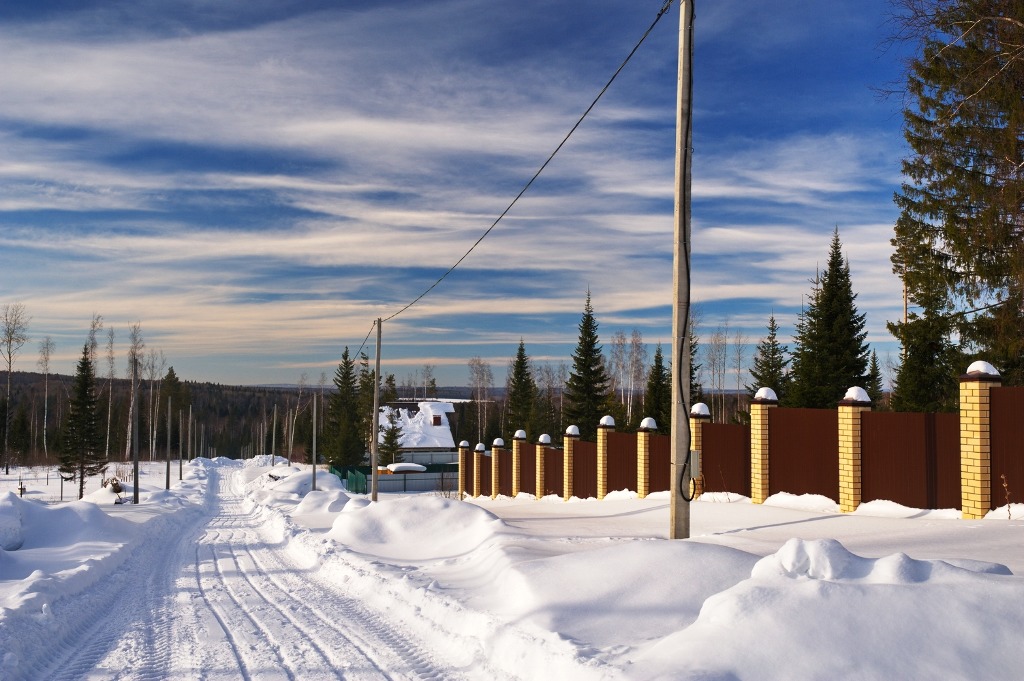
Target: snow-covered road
<point>243,571</point>
<point>217,598</point>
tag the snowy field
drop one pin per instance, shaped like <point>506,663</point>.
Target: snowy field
<point>243,572</point>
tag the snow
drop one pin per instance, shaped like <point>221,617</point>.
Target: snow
<point>701,409</point>
<point>856,394</point>
<point>608,421</point>
<point>406,468</point>
<point>650,424</point>
<point>544,439</point>
<point>573,431</point>
<point>766,394</point>
<point>982,367</point>
<point>418,429</point>
<point>245,571</point>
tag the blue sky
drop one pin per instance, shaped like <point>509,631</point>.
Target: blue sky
<point>255,182</point>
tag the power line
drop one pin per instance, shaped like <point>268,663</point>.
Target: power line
<point>664,10</point>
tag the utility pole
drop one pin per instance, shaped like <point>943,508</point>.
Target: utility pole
<point>376,420</point>
<point>135,429</point>
<point>167,481</point>
<point>314,444</point>
<point>679,523</point>
<point>181,441</point>
<point>273,439</point>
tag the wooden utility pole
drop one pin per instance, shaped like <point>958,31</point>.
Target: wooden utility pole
<point>135,428</point>
<point>679,523</point>
<point>376,420</point>
<point>167,480</point>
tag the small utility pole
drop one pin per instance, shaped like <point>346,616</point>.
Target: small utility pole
<point>167,481</point>
<point>273,439</point>
<point>679,523</point>
<point>376,420</point>
<point>135,429</point>
<point>181,441</point>
<point>314,444</point>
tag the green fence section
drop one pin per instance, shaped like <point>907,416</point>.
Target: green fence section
<point>355,479</point>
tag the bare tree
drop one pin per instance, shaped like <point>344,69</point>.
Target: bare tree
<point>428,378</point>
<point>95,326</point>
<point>739,351</point>
<point>46,348</point>
<point>13,335</point>
<point>154,365</point>
<point>303,380</point>
<point>482,379</point>
<point>637,370</point>
<point>110,386</point>
<point>135,349</point>
<point>618,365</point>
<point>716,353</point>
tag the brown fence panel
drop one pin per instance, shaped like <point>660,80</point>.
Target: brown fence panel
<point>621,461</point>
<point>725,461</point>
<point>553,471</point>
<point>469,474</point>
<point>947,460</point>
<point>661,463</point>
<point>485,476</point>
<point>803,451</point>
<point>584,469</point>
<point>505,472</point>
<point>528,469</point>
<point>1007,443</point>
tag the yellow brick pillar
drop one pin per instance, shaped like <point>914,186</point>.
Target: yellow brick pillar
<point>975,446</point>
<point>699,415</point>
<point>606,426</point>
<point>539,453</point>
<point>643,456</point>
<point>496,453</point>
<point>855,403</point>
<point>572,435</point>
<point>463,456</point>
<point>517,469</point>
<point>478,454</point>
<point>762,402</point>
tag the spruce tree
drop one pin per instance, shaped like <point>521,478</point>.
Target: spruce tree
<point>521,398</point>
<point>830,354</point>
<point>389,449</point>
<point>658,398</point>
<point>82,451</point>
<point>770,362</point>
<point>343,444</point>
<point>696,389</point>
<point>963,198</point>
<point>873,383</point>
<point>926,380</point>
<point>586,392</point>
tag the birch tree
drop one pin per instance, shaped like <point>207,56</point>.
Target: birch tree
<point>46,348</point>
<point>13,335</point>
<point>110,387</point>
<point>135,348</point>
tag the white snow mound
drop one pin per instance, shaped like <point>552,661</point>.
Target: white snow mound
<point>827,559</point>
<point>416,528</point>
<point>11,536</point>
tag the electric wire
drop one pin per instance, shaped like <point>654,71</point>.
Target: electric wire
<point>664,9</point>
<point>684,248</point>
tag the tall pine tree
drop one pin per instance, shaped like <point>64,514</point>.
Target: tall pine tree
<point>658,398</point>
<point>770,363</point>
<point>343,444</point>
<point>82,453</point>
<point>963,199</point>
<point>830,354</point>
<point>521,398</point>
<point>587,393</point>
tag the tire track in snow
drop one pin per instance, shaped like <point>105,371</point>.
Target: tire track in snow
<point>374,632</point>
